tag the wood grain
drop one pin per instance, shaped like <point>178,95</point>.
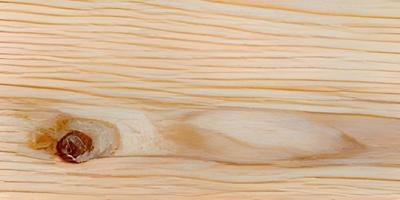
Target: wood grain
<point>217,99</point>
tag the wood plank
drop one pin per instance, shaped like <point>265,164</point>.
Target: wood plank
<point>217,99</point>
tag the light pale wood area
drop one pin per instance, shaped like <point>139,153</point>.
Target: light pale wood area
<point>217,99</point>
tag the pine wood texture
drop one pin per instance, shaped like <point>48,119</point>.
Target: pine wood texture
<point>214,99</point>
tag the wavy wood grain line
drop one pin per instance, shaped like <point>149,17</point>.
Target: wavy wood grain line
<point>214,99</point>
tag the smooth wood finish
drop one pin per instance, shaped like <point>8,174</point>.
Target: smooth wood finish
<point>217,99</point>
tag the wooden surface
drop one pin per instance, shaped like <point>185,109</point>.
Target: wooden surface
<point>217,99</point>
